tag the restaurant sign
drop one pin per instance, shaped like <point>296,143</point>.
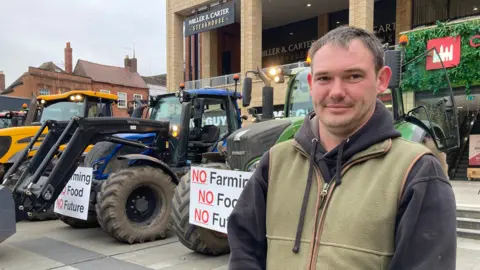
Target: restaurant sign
<point>217,16</point>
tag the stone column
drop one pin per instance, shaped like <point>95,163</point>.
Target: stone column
<point>361,14</point>
<point>403,17</point>
<point>251,35</point>
<point>209,53</point>
<point>322,25</point>
<point>175,50</point>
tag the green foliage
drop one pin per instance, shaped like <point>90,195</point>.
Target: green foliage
<point>466,74</point>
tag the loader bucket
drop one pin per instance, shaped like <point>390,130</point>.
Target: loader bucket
<point>7,214</point>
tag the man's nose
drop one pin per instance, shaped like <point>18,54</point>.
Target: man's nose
<point>337,90</point>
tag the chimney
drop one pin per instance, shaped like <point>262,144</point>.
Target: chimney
<point>2,81</point>
<point>133,64</point>
<point>68,58</point>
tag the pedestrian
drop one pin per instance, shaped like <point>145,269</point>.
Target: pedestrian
<point>347,192</point>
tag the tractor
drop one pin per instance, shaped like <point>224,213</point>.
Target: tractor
<point>12,119</point>
<point>59,107</point>
<point>434,124</point>
<point>133,205</point>
<point>221,115</point>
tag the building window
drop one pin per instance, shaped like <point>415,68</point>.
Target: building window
<point>44,92</point>
<point>122,100</point>
<point>427,12</point>
<point>104,91</point>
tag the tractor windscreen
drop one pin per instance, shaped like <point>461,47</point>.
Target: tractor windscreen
<point>168,108</point>
<point>426,76</point>
<point>300,101</point>
<point>5,122</point>
<point>62,111</point>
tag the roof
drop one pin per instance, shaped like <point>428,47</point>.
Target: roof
<point>160,80</point>
<point>50,66</point>
<point>66,95</point>
<point>109,74</point>
<point>16,83</point>
<point>214,92</point>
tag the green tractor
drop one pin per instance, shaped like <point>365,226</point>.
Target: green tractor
<point>433,123</point>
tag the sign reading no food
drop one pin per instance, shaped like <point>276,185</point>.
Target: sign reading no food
<point>218,16</point>
<point>213,195</point>
<point>75,197</point>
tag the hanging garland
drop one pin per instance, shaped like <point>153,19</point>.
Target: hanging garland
<point>466,74</point>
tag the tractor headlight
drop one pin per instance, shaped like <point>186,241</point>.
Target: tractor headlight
<point>252,167</point>
<point>175,130</point>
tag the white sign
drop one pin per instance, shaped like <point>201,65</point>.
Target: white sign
<point>213,195</point>
<point>75,197</point>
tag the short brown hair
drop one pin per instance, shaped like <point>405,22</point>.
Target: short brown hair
<point>343,35</point>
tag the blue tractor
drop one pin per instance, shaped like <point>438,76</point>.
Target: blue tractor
<point>215,114</point>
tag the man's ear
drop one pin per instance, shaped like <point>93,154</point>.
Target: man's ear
<point>383,79</point>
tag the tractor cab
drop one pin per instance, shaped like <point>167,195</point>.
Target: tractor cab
<point>12,119</point>
<point>63,107</point>
<point>199,119</point>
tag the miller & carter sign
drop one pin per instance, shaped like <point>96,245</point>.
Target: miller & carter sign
<point>218,16</point>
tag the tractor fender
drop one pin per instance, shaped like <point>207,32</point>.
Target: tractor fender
<point>154,161</point>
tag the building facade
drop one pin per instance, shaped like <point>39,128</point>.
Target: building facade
<point>210,41</point>
<point>48,79</point>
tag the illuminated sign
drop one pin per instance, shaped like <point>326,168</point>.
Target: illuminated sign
<point>218,16</point>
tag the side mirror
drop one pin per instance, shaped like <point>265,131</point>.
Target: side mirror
<point>198,107</point>
<point>247,91</point>
<point>393,59</point>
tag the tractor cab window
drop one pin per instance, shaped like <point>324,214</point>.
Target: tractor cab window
<point>5,122</point>
<point>99,109</point>
<point>62,111</point>
<point>215,114</point>
<point>169,109</point>
<point>300,101</point>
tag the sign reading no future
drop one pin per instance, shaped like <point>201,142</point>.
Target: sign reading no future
<point>218,16</point>
<point>213,195</point>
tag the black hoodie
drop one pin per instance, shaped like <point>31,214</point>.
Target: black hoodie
<point>425,233</point>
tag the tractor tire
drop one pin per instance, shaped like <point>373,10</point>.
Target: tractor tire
<point>130,191</point>
<point>196,238</point>
<point>45,215</point>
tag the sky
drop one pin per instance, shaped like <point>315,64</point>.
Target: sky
<point>101,31</point>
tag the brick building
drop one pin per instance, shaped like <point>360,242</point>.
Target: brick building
<point>125,82</point>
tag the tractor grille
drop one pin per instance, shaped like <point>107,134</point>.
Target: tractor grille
<point>5,142</point>
<point>251,142</point>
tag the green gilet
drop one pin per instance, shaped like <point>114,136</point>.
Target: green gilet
<point>346,227</point>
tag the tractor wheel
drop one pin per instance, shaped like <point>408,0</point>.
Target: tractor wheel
<point>134,205</point>
<point>47,214</point>
<point>196,238</point>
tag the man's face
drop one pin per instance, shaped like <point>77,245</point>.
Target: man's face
<point>344,86</point>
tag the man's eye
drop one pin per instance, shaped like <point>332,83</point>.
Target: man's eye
<point>322,79</point>
<point>355,76</point>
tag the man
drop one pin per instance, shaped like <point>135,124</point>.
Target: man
<point>347,192</point>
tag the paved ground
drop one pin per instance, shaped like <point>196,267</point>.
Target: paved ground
<point>54,245</point>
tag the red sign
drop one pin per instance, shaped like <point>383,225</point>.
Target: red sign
<point>473,43</point>
<point>448,50</point>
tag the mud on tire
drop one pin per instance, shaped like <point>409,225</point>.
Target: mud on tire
<point>134,205</point>
<point>194,237</point>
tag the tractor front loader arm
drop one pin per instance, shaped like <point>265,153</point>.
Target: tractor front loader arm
<point>37,188</point>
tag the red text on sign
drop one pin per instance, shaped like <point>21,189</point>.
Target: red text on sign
<point>205,197</point>
<point>202,216</point>
<point>199,176</point>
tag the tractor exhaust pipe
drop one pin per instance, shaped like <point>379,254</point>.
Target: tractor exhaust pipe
<point>8,220</point>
